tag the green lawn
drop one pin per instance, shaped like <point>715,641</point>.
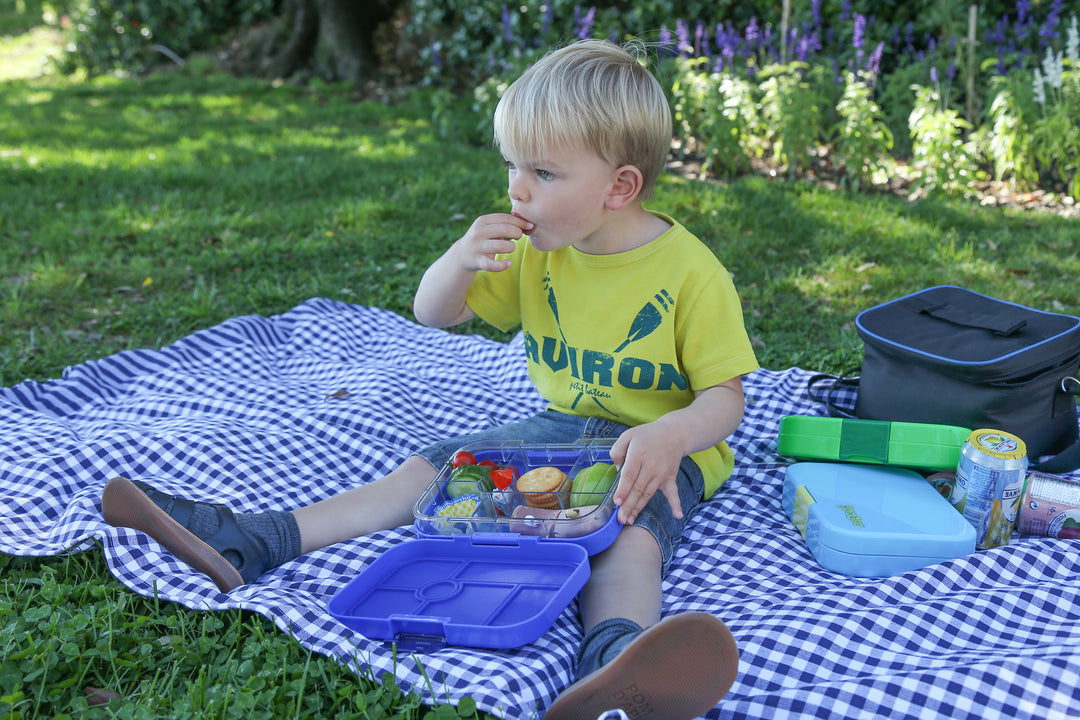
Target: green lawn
<point>134,212</point>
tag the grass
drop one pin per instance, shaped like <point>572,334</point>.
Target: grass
<point>134,212</point>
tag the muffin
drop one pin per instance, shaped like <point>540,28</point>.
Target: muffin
<point>541,485</point>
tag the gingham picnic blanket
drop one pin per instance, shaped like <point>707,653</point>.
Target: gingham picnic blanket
<point>278,412</point>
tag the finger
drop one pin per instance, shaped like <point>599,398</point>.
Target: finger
<point>506,226</point>
<point>489,264</point>
<point>671,492</point>
<point>618,450</point>
<point>630,498</point>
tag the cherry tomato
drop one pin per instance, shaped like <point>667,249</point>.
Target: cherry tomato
<point>502,477</point>
<point>489,464</point>
<point>462,457</point>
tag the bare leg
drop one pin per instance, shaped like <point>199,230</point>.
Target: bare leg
<point>232,555</point>
<point>380,505</point>
<point>625,581</point>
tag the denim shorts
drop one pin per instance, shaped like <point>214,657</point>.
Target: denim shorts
<point>550,428</point>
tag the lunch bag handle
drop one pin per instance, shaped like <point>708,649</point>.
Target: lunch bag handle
<point>1068,459</point>
<point>999,324</point>
<point>848,378</point>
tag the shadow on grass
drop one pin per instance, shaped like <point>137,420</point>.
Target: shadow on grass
<point>204,197</point>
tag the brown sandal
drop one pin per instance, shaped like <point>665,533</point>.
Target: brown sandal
<point>126,504</point>
<point>677,669</point>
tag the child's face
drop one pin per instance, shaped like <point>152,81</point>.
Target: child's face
<point>564,195</point>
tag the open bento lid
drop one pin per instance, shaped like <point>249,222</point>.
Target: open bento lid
<point>480,590</point>
<point>480,577</point>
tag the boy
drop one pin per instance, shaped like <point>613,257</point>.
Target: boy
<point>632,329</point>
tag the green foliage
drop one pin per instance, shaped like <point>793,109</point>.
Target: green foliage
<point>94,650</point>
<point>1056,134</point>
<point>947,162</point>
<point>1007,137</point>
<point>715,116</point>
<point>464,39</point>
<point>133,35</point>
<point>862,139</point>
<point>793,111</point>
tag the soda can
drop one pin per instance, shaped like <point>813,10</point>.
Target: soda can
<point>989,481</point>
<point>1050,506</point>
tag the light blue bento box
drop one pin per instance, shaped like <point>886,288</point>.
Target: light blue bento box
<point>873,521</point>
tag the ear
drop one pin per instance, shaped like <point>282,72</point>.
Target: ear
<point>626,185</point>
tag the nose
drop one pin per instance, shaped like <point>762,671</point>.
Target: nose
<point>517,188</point>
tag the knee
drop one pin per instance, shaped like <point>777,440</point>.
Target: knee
<point>634,544</point>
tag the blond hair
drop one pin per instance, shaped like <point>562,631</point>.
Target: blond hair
<point>591,95</point>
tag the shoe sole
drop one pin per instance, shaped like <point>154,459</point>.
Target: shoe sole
<point>125,505</point>
<point>676,670</point>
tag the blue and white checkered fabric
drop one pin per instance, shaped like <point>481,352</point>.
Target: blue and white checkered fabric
<point>278,412</point>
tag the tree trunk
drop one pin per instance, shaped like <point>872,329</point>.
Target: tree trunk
<point>301,44</point>
<point>334,38</point>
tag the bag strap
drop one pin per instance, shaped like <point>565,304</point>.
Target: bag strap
<point>1068,459</point>
<point>1065,461</point>
<point>848,378</point>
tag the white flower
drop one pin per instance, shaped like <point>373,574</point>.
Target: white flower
<point>1053,66</point>
<point>1040,91</point>
<point>1072,42</point>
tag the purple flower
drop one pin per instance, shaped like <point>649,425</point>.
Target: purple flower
<point>815,12</point>
<point>728,41</point>
<point>803,47</point>
<point>873,63</point>
<point>933,75</point>
<point>549,13</point>
<point>950,72</point>
<point>682,32</point>
<point>508,27</point>
<point>1024,20</point>
<point>845,10</point>
<point>720,38</point>
<point>1049,29</point>
<point>858,37</point>
<point>753,32</point>
<point>1023,11</point>
<point>996,36</point>
<point>665,41</point>
<point>584,22</point>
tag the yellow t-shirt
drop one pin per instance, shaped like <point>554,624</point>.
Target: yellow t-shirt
<point>626,337</point>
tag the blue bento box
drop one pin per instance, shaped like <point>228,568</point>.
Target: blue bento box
<point>485,578</point>
<point>873,521</point>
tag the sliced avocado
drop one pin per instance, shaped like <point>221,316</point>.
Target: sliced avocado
<point>591,483</point>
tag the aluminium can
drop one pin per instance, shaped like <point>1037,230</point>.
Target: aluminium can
<point>1050,506</point>
<point>989,482</point>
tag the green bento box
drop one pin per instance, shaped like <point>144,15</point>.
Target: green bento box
<point>879,442</point>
